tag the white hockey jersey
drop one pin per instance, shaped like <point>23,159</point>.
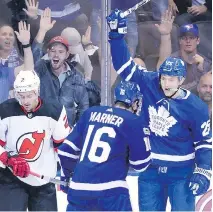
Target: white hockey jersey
<point>34,135</point>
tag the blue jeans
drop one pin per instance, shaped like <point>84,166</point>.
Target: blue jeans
<point>158,8</point>
<point>156,184</point>
<point>132,30</point>
<point>111,203</point>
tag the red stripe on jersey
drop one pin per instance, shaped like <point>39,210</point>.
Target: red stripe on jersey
<point>65,119</point>
<point>58,141</point>
<point>2,143</point>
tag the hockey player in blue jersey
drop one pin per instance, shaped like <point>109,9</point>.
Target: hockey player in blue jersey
<point>179,125</point>
<point>105,142</point>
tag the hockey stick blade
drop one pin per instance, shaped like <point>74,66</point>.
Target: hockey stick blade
<point>50,179</point>
<point>132,9</point>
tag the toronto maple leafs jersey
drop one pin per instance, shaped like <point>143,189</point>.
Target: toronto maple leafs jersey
<point>105,142</point>
<point>180,128</point>
<point>33,135</point>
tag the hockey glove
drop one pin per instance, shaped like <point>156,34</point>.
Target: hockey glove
<point>200,181</point>
<point>65,176</point>
<point>18,164</point>
<point>117,25</point>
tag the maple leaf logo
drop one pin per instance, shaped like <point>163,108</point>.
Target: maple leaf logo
<point>160,120</point>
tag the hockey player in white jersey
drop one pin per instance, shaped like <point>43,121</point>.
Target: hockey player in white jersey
<point>30,128</point>
<point>179,124</point>
<point>104,143</point>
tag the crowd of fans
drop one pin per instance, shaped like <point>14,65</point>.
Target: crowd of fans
<point>66,49</point>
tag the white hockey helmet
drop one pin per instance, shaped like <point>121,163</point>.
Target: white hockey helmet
<point>27,81</point>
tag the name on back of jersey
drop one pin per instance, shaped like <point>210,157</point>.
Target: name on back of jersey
<point>106,118</point>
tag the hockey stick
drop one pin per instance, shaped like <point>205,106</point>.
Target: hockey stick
<point>50,179</point>
<point>132,9</point>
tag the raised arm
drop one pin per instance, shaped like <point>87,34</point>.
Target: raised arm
<point>23,36</point>
<point>32,8</point>
<point>122,62</point>
<point>46,24</point>
<point>165,29</point>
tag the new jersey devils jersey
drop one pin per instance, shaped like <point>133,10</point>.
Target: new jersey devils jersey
<point>34,135</point>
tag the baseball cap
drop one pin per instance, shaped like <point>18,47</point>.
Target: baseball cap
<point>58,39</point>
<point>74,40</point>
<point>189,29</point>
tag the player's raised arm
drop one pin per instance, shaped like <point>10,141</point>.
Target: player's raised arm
<point>201,129</point>
<point>122,62</point>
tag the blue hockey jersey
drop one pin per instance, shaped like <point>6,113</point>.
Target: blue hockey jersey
<point>104,142</point>
<point>180,128</point>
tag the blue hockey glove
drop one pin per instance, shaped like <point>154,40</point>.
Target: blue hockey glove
<point>117,25</point>
<point>62,187</point>
<point>200,181</point>
<point>65,177</point>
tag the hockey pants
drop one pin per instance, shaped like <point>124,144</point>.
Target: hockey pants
<point>110,203</point>
<point>156,184</point>
<point>16,195</point>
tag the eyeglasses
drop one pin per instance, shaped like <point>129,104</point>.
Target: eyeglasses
<point>185,38</point>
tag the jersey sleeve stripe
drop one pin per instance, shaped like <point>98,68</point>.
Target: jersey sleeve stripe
<point>208,146</point>
<point>138,162</point>
<point>61,153</point>
<point>123,67</point>
<point>204,141</point>
<point>132,72</point>
<point>141,170</point>
<point>72,145</point>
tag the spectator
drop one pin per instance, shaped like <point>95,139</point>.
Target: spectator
<point>197,64</point>
<point>191,11</point>
<point>76,49</point>
<point>67,13</point>
<point>80,56</point>
<point>7,74</point>
<point>9,56</point>
<point>59,79</point>
<point>204,90</point>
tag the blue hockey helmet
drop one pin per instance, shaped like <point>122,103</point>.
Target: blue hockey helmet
<point>173,66</point>
<point>127,92</point>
